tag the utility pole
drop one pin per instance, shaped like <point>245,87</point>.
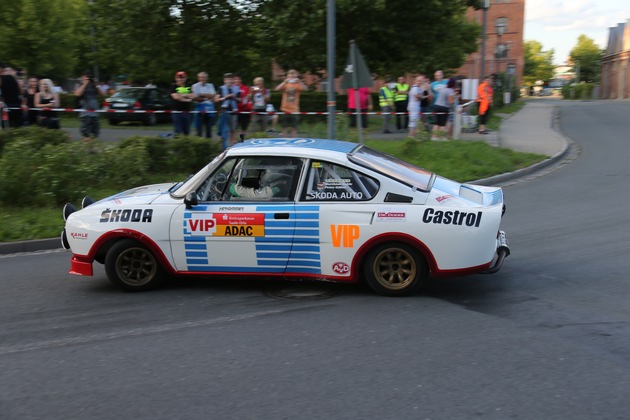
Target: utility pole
<point>485,7</point>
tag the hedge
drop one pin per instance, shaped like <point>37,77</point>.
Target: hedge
<point>44,167</point>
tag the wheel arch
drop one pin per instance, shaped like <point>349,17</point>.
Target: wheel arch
<point>358,261</point>
<point>104,243</point>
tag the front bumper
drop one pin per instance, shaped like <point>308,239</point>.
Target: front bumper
<point>80,266</point>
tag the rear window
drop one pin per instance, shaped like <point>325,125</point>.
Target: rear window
<point>130,93</point>
<point>392,167</point>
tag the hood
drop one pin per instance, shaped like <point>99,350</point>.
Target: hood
<point>139,195</point>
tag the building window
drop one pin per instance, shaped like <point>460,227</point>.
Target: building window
<point>501,25</point>
<point>501,51</point>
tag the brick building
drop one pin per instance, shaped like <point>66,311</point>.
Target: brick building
<point>505,20</point>
<point>615,77</point>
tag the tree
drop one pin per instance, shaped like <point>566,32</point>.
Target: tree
<point>41,36</point>
<point>586,56</point>
<point>538,63</point>
<point>395,36</point>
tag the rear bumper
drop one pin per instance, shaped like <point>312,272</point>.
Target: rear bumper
<point>80,266</point>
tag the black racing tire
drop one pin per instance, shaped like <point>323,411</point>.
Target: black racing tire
<point>132,267</point>
<point>395,269</point>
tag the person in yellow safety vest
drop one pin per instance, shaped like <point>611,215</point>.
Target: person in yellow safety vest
<point>401,100</point>
<point>386,102</point>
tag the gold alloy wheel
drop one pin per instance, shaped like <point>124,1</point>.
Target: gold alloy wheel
<point>136,266</point>
<point>394,268</point>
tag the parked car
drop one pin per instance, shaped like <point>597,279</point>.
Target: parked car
<point>296,208</point>
<point>154,101</point>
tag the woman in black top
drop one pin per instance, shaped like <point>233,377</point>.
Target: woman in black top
<point>46,99</point>
<point>28,100</point>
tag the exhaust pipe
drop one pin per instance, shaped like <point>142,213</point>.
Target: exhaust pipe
<point>503,250</point>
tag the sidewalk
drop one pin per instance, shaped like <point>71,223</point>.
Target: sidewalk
<point>529,130</point>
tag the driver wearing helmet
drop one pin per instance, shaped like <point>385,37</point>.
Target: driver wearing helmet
<point>271,183</point>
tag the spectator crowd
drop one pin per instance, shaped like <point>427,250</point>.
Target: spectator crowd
<point>234,106</point>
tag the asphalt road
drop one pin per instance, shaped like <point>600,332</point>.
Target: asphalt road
<point>547,337</point>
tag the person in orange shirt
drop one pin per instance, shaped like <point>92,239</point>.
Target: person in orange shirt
<point>291,89</point>
<point>484,97</point>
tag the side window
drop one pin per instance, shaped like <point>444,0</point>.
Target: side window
<point>330,182</point>
<point>256,179</point>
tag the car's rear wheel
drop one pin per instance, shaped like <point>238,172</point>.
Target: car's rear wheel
<point>395,269</point>
<point>131,266</point>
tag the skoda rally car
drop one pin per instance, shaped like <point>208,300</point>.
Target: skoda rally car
<point>296,208</point>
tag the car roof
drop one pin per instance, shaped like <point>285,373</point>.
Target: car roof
<point>296,146</point>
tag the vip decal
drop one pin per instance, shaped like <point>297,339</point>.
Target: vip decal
<point>456,217</point>
<point>201,225</point>
<point>341,268</point>
<point>127,215</point>
<point>227,224</point>
<point>391,215</point>
<point>344,235</point>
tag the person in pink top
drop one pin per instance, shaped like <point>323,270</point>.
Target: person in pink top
<point>365,101</point>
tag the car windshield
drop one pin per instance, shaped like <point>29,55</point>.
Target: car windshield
<point>129,94</point>
<point>193,182</point>
<point>392,167</point>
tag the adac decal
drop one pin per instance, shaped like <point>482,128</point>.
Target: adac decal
<point>344,235</point>
<point>228,224</point>
<point>341,268</point>
<point>127,215</point>
<point>459,218</point>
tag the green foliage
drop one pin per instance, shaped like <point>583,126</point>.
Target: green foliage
<point>586,56</point>
<point>538,63</point>
<point>142,40</point>
<point>42,36</point>
<point>41,167</point>
<point>17,224</point>
<point>395,36</point>
<point>578,91</point>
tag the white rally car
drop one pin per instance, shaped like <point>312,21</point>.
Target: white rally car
<point>297,208</point>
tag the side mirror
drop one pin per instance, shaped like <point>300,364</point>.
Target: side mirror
<point>191,200</point>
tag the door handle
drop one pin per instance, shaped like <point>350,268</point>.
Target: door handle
<point>281,215</point>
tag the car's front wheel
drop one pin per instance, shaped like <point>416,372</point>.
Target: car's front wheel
<point>395,269</point>
<point>131,266</point>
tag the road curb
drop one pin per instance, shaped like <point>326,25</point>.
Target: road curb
<point>30,246</point>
